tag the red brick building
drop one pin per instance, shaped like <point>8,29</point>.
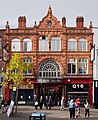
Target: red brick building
<point>60,57</point>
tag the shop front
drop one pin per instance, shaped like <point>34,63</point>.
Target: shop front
<point>50,87</point>
<point>79,88</point>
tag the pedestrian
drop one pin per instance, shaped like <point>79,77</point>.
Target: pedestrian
<point>77,104</point>
<point>62,104</point>
<point>41,102</point>
<point>72,108</point>
<point>46,102</point>
<point>36,103</point>
<point>50,102</point>
<point>87,107</point>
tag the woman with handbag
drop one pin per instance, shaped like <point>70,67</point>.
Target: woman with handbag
<point>36,104</point>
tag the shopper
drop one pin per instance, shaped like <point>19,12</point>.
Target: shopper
<point>62,104</point>
<point>77,103</point>
<point>36,103</point>
<point>72,108</point>
<point>41,102</point>
<point>50,102</point>
<point>87,107</point>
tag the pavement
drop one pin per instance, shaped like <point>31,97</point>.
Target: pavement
<point>23,113</point>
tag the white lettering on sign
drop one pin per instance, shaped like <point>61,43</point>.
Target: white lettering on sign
<point>77,86</point>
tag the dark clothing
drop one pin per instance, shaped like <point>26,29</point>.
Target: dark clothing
<point>72,112</point>
<point>41,103</point>
<point>72,109</point>
<point>87,112</point>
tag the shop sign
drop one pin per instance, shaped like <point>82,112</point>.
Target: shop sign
<point>9,111</point>
<point>77,86</point>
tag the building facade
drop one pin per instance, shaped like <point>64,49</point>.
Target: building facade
<point>60,58</point>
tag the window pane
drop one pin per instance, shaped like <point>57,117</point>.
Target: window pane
<point>82,45</point>
<point>71,44</point>
<point>28,66</point>
<point>43,44</point>
<point>55,44</point>
<point>15,45</point>
<point>83,66</point>
<point>72,66</point>
<point>27,45</point>
<point>51,68</point>
<point>69,68</point>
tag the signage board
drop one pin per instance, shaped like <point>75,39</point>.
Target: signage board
<point>9,111</point>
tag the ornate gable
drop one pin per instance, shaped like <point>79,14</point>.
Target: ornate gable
<point>49,21</point>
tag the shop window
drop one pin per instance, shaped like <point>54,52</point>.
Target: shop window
<point>27,45</point>
<point>15,45</point>
<point>71,66</point>
<point>83,66</point>
<point>71,44</point>
<point>82,46</point>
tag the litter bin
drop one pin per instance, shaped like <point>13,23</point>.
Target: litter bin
<point>39,115</point>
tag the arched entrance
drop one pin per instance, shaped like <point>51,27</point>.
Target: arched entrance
<point>50,81</point>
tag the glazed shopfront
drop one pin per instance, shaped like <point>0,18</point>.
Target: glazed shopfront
<point>79,87</point>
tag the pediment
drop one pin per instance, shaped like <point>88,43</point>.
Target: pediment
<point>49,21</point>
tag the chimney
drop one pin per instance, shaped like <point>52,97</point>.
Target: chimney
<point>79,22</point>
<point>64,22</point>
<point>22,22</point>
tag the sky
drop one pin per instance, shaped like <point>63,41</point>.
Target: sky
<point>35,10</point>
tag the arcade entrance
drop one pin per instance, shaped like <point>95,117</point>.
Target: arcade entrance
<point>55,91</point>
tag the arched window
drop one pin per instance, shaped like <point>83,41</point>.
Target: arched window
<point>15,45</point>
<point>27,45</point>
<point>49,69</point>
<point>55,44</point>
<point>82,46</point>
<point>43,44</point>
<point>71,44</point>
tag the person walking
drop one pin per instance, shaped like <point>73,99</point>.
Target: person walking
<point>62,104</point>
<point>46,102</point>
<point>72,108</point>
<point>87,107</point>
<point>36,103</point>
<point>50,102</point>
<point>41,102</point>
<point>77,103</point>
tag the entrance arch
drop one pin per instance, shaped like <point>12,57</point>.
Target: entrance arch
<point>49,81</point>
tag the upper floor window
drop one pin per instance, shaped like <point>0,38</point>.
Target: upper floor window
<point>15,45</point>
<point>71,44</point>
<point>27,45</point>
<point>83,66</point>
<point>82,46</point>
<point>28,64</point>
<point>43,44</point>
<point>55,44</point>
<point>71,66</point>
